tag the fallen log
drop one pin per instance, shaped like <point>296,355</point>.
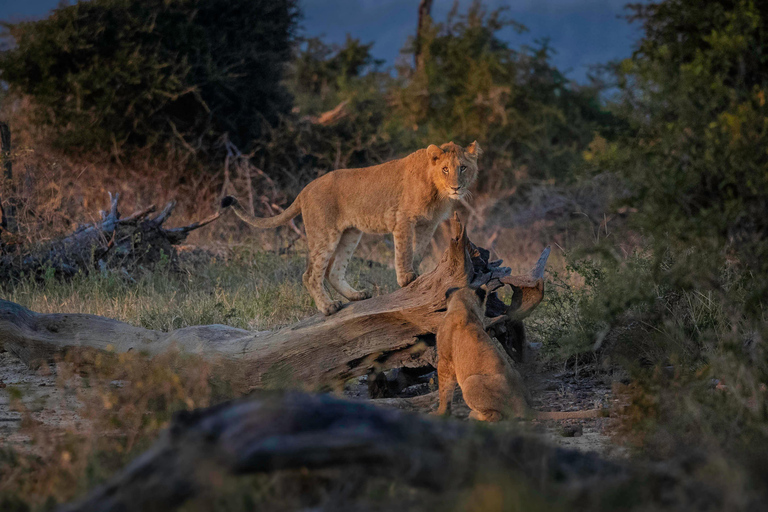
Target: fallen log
<point>139,239</point>
<point>280,431</point>
<point>394,330</point>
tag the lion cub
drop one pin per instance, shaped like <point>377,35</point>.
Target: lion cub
<point>408,197</point>
<point>466,355</point>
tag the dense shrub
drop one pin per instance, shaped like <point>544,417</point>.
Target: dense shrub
<point>533,121</point>
<point>121,74</point>
<point>693,157</point>
<point>694,95</point>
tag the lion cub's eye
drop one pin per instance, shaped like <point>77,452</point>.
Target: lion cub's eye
<point>463,168</point>
<point>445,170</point>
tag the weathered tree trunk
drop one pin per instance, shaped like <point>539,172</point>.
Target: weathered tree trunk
<point>393,330</point>
<point>295,431</point>
<point>138,239</point>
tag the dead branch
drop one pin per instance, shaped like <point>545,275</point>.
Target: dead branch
<point>138,239</point>
<point>332,116</point>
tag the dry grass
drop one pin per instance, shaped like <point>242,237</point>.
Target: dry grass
<point>126,400</point>
<point>250,290</point>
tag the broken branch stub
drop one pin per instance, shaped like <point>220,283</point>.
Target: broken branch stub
<point>527,293</point>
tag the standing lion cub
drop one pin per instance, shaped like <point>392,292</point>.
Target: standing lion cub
<point>466,355</point>
<point>408,197</point>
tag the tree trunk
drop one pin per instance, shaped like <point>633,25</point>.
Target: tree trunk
<point>425,7</point>
<point>280,431</point>
<point>393,330</point>
<point>7,212</point>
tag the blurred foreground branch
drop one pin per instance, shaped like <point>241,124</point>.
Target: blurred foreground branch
<point>299,431</point>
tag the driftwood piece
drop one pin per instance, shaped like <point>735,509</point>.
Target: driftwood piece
<point>394,330</point>
<point>114,241</point>
<point>300,431</point>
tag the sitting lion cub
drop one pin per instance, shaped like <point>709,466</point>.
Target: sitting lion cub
<point>408,197</point>
<point>467,355</point>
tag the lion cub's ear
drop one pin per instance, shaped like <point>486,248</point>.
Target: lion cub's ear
<point>449,292</point>
<point>474,149</point>
<point>480,292</point>
<point>434,152</point>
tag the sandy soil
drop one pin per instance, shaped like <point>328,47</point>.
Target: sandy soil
<point>32,394</point>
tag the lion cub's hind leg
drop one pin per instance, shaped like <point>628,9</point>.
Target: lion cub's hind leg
<point>486,396</point>
<point>446,383</point>
<point>321,249</point>
<point>337,270</point>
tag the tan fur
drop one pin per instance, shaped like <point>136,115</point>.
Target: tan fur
<point>466,355</point>
<point>408,197</point>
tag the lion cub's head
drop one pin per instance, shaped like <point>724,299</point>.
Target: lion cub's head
<point>453,168</point>
<point>468,297</point>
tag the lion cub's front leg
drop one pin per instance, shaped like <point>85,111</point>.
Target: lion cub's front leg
<point>403,235</point>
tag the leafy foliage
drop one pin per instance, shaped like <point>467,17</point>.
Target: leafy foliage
<point>691,308</point>
<point>121,74</point>
<point>694,94</point>
<point>473,85</point>
<point>531,120</point>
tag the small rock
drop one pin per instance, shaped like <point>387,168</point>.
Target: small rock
<point>571,431</point>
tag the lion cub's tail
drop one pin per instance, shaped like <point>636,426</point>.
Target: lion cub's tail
<point>262,222</point>
<point>567,415</point>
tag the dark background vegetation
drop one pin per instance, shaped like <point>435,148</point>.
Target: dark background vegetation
<point>672,140</point>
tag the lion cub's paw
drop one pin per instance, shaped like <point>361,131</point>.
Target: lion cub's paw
<point>406,279</point>
<point>361,295</point>
<point>332,308</point>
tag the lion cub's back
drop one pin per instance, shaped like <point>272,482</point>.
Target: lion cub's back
<point>365,198</point>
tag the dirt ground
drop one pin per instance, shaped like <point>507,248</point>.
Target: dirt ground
<point>551,389</point>
<point>36,391</point>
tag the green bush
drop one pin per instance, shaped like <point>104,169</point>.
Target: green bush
<point>122,74</point>
<point>686,315</point>
<point>531,121</point>
<point>367,132</point>
<point>526,114</point>
<point>694,96</point>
